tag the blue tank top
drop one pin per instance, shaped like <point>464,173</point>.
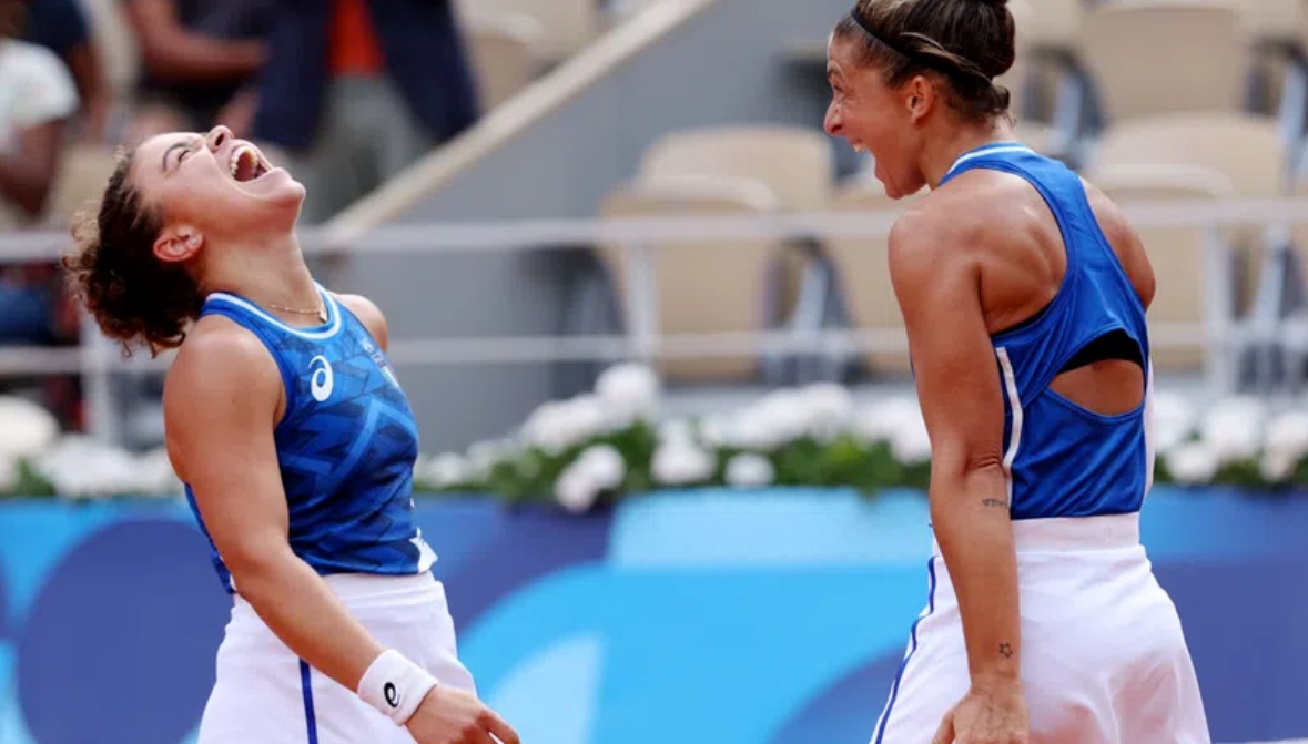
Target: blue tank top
<point>1061,459</point>
<point>346,445</point>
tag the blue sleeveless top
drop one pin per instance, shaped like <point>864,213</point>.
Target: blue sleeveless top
<point>346,445</point>
<point>1061,459</point>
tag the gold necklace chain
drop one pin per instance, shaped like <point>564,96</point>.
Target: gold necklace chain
<point>319,312</point>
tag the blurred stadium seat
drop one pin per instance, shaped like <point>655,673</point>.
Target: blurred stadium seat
<point>1206,48</point>
<point>1178,253</point>
<point>794,162</point>
<point>861,269</point>
<point>698,287</point>
<point>566,25</point>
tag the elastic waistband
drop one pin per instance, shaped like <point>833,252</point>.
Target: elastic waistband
<point>365,590</point>
<point>1107,532</point>
<point>355,584</point>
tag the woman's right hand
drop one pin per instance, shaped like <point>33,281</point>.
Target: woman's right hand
<point>449,716</point>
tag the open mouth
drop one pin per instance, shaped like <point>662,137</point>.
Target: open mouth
<point>247,164</point>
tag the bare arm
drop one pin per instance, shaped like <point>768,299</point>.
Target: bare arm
<point>28,174</point>
<point>221,401</point>
<point>172,52</point>
<point>938,288</point>
<point>92,89</point>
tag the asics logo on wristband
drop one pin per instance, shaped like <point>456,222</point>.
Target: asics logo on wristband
<point>395,686</point>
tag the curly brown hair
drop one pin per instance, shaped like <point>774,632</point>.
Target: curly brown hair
<point>135,298</point>
<point>969,42</point>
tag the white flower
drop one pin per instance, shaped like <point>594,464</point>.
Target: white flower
<point>486,454</point>
<point>445,469</point>
<point>1287,434</point>
<point>546,427</point>
<point>676,430</point>
<point>748,470</point>
<point>880,421</point>
<point>910,443</point>
<point>603,466</point>
<point>26,428</point>
<point>555,426</point>
<point>575,491</point>
<point>1173,420</point>
<point>679,464</point>
<point>1193,463</point>
<point>81,467</point>
<point>776,419</point>
<point>587,417</point>
<point>715,430</point>
<point>154,474</point>
<point>628,392</point>
<point>828,407</point>
<point>1278,465</point>
<point>1232,428</point>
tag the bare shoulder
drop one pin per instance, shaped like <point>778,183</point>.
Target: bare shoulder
<point>218,356</point>
<point>948,228</point>
<point>223,384</point>
<point>369,314</point>
<point>1111,220</point>
<point>1124,241</point>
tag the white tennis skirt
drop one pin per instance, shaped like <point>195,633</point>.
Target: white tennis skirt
<point>1104,659</point>
<point>264,694</point>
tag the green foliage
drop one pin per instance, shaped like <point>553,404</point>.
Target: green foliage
<point>528,475</point>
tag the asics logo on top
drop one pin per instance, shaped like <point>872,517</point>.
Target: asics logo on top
<point>323,380</point>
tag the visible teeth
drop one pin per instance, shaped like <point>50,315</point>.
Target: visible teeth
<point>239,153</point>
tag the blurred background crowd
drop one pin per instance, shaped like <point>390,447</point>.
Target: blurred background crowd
<point>1152,101</point>
<point>346,93</point>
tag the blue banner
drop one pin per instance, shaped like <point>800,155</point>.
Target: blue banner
<point>708,617</point>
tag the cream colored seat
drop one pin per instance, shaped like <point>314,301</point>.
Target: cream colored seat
<point>1273,21</point>
<point>1150,58</point>
<point>863,269</point>
<point>566,25</point>
<point>1050,25</point>
<point>1246,149</point>
<point>699,286</point>
<point>1178,253</point>
<point>503,50</point>
<point>796,163</point>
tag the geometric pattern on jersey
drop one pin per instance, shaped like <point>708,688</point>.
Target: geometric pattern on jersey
<point>1061,459</point>
<point>346,444</point>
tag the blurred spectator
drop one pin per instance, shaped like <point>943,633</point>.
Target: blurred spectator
<point>199,58</point>
<point>61,26</point>
<point>37,97</point>
<point>356,90</point>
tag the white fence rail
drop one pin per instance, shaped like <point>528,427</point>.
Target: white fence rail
<point>97,358</point>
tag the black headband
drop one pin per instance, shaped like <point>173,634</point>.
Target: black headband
<point>938,65</point>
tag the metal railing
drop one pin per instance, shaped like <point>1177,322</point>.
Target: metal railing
<point>1218,332</point>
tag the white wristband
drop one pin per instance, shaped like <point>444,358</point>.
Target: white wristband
<point>395,686</point>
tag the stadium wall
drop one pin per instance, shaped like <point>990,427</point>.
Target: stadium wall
<point>775,617</point>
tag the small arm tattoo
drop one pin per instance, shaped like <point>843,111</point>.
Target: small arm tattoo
<point>1006,650</point>
<point>996,503</point>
